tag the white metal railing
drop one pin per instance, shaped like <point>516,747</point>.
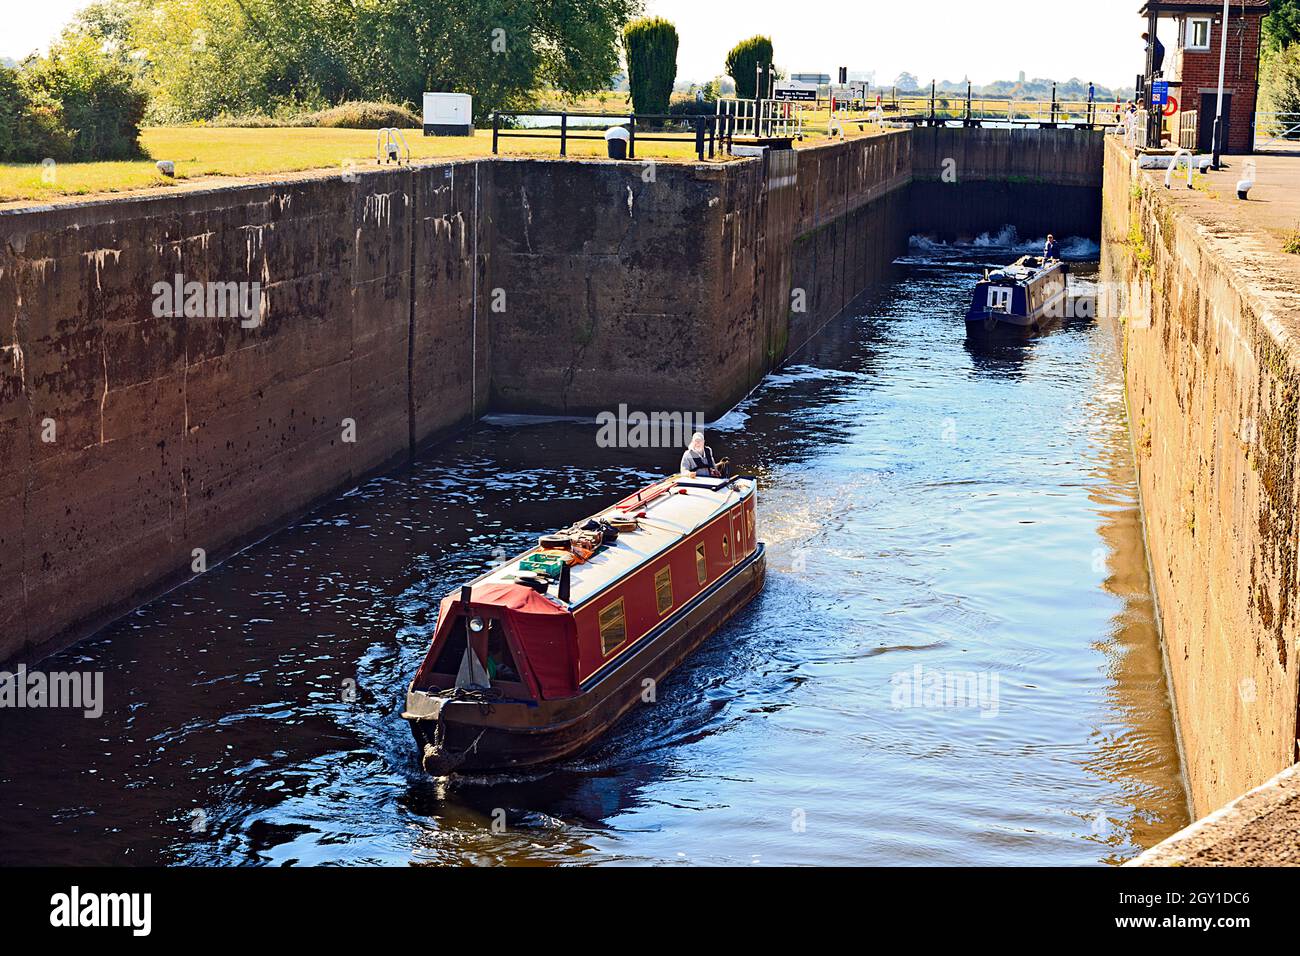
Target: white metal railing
<point>760,118</point>
<point>1271,127</point>
<point>389,145</point>
<point>1187,129</point>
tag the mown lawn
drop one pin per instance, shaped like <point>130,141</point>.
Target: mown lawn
<point>213,151</point>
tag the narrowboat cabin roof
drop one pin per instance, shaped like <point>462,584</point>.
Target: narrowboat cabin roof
<point>668,512</point>
<point>1022,270</point>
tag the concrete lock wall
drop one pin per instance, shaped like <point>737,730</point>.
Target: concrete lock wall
<point>967,181</point>
<point>128,440</point>
<point>1213,375</point>
<point>405,302</point>
<point>669,286</point>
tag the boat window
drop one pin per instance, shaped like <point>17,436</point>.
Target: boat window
<point>701,565</point>
<point>453,649</point>
<point>663,589</point>
<point>613,627</point>
<point>726,547</point>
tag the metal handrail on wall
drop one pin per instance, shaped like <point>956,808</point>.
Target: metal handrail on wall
<point>389,145</point>
<point>706,133</point>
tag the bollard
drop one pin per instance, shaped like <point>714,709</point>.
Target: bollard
<point>616,142</point>
<point>1247,179</point>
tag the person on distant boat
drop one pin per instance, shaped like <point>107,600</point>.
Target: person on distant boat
<point>1052,250</point>
<point>698,460</point>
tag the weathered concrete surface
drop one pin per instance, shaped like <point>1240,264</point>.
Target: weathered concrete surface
<point>1259,828</point>
<point>852,221</point>
<point>671,287</point>
<point>968,181</point>
<point>128,441</point>
<point>605,286</point>
<point>1212,368</point>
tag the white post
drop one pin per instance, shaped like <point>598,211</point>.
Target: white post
<point>1218,109</point>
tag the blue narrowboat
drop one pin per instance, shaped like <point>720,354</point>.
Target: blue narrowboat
<point>1023,298</point>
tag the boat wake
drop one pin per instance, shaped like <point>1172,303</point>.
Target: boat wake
<point>1006,240</point>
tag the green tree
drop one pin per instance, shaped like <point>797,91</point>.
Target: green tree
<point>1282,25</point>
<point>651,45</point>
<point>742,63</point>
<point>201,59</point>
<point>1279,90</point>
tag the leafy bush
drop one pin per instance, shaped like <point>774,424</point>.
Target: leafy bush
<point>742,63</point>
<point>12,110</point>
<point>1280,81</point>
<point>34,124</point>
<point>365,116</point>
<point>651,45</point>
<point>343,116</point>
<point>692,107</point>
<point>80,105</point>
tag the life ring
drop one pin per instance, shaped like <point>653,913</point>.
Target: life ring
<point>1171,105</point>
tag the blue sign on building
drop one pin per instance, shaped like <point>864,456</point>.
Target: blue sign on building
<point>1159,92</point>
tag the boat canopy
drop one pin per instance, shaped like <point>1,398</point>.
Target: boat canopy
<point>543,629</point>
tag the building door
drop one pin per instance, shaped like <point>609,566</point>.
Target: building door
<point>1205,123</point>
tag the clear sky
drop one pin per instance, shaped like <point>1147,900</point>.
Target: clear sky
<point>1098,40</point>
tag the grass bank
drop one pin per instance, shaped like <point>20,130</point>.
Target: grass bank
<point>200,152</point>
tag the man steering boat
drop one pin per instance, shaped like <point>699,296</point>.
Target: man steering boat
<point>698,460</point>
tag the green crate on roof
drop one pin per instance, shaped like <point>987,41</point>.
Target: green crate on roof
<point>542,564</point>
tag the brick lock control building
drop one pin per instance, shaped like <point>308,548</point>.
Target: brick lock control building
<point>1191,66</point>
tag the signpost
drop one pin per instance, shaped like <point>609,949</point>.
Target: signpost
<point>795,90</point>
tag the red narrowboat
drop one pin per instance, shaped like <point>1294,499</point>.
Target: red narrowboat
<point>534,660</point>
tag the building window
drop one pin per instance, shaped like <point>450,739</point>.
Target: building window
<point>663,589</point>
<point>1198,33</point>
<point>613,627</point>
<point>701,565</point>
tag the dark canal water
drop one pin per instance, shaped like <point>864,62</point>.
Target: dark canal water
<point>933,513</point>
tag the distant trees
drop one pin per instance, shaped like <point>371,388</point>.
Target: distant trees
<point>1279,88</point>
<point>199,60</point>
<point>1282,25</point>
<point>651,46</point>
<point>743,62</point>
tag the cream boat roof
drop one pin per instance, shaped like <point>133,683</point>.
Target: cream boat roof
<point>668,520</point>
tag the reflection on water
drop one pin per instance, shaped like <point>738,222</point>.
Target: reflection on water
<point>932,511</point>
